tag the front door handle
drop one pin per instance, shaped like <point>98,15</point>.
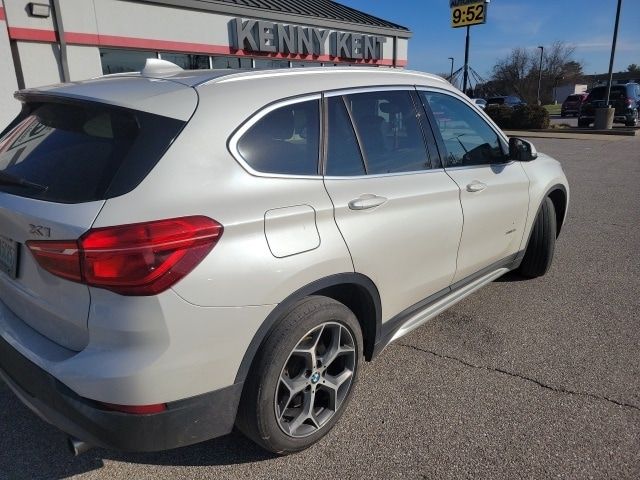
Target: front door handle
<point>366,201</point>
<point>476,186</point>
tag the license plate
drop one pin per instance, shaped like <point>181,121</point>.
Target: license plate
<point>9,256</point>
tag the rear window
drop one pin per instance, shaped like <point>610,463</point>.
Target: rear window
<point>495,101</point>
<point>81,152</point>
<point>599,93</point>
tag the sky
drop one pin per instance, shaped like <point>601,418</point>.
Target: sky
<point>585,24</point>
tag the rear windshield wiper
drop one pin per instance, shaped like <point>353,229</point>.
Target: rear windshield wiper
<point>8,179</point>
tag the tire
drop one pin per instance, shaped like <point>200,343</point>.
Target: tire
<point>266,397</point>
<point>539,254</point>
<point>582,123</point>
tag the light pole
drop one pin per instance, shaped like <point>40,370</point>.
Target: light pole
<point>613,53</point>
<point>465,74</point>
<point>540,74</point>
<point>451,74</point>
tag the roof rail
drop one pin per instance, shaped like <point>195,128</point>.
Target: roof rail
<point>155,66</point>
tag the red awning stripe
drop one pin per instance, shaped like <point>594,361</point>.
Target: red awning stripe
<point>76,38</point>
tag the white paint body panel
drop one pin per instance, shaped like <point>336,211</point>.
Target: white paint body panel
<point>408,245</point>
<point>494,218</point>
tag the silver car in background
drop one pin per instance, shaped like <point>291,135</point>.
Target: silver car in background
<point>185,251</point>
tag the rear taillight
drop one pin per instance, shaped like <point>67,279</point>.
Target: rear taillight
<point>136,259</point>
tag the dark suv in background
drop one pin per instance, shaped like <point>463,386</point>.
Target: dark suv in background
<point>508,101</point>
<point>571,106</point>
<point>624,98</point>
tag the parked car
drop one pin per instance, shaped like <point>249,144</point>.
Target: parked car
<point>480,102</point>
<point>508,101</point>
<point>183,251</point>
<point>572,104</point>
<point>624,98</point>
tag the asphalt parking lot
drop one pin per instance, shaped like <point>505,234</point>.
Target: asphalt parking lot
<point>523,379</point>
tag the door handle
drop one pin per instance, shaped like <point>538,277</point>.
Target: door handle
<point>366,201</point>
<point>476,186</point>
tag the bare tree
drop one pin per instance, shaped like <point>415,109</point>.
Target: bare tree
<point>517,73</point>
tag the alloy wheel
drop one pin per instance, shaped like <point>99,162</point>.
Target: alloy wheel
<point>315,379</point>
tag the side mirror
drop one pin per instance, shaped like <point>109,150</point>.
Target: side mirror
<point>521,150</point>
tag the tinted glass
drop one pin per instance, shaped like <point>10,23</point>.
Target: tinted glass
<point>343,152</point>
<point>468,138</point>
<point>84,152</point>
<point>495,101</point>
<point>389,131</point>
<point>119,61</point>
<point>187,61</point>
<point>599,93</point>
<point>284,141</point>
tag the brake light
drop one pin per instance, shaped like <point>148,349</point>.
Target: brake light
<point>137,259</point>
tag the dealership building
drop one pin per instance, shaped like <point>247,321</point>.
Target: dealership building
<point>51,41</point>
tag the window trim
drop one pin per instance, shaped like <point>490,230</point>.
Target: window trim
<point>232,144</point>
<point>504,140</point>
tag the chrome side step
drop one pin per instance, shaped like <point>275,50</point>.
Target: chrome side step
<point>439,306</point>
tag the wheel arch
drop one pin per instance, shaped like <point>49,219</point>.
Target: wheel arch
<point>356,291</point>
<point>558,196</point>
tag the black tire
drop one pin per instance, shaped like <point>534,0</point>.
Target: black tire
<point>539,253</point>
<point>257,417</point>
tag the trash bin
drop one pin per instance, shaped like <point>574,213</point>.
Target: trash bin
<point>604,118</point>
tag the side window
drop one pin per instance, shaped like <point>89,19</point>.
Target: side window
<point>284,141</point>
<point>389,131</point>
<point>343,152</point>
<point>468,138</point>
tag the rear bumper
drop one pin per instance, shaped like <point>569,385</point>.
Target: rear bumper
<point>185,422</point>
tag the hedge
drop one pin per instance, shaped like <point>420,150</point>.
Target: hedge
<point>522,117</point>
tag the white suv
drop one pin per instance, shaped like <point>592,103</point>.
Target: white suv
<point>182,252</point>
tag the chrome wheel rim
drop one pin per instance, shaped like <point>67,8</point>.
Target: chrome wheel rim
<point>315,380</point>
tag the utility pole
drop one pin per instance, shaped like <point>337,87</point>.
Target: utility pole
<point>540,74</point>
<point>451,74</point>
<point>466,64</point>
<point>613,53</point>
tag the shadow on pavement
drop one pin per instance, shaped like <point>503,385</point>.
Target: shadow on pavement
<point>31,448</point>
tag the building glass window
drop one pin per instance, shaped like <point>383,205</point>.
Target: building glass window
<point>119,61</point>
<point>268,63</point>
<point>231,62</point>
<point>306,64</point>
<point>187,60</point>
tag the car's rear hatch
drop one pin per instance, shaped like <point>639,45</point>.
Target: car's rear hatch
<point>597,99</point>
<point>73,147</point>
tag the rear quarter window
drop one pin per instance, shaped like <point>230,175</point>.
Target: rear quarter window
<point>284,141</point>
<point>82,152</point>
